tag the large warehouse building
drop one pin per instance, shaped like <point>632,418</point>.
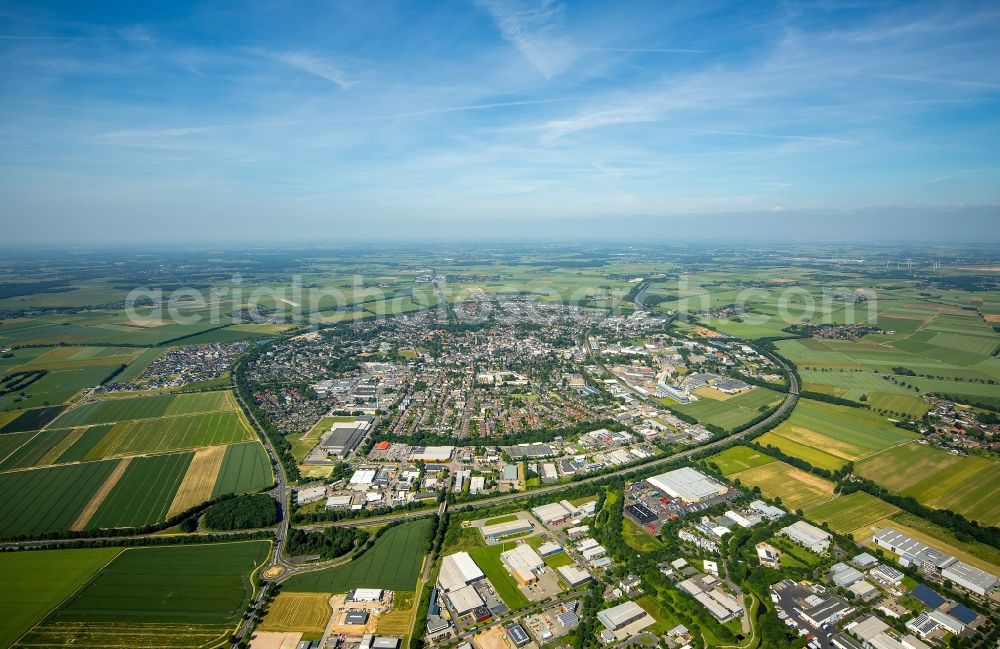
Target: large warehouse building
<point>970,577</point>
<point>621,616</point>
<point>458,571</point>
<point>911,551</point>
<point>522,562</point>
<point>688,485</point>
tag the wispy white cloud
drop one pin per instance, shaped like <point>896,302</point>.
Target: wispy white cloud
<point>535,28</point>
<point>317,66</point>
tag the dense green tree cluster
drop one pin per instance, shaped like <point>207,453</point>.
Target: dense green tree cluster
<point>247,512</point>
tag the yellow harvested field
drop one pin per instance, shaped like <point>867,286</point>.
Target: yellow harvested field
<point>274,640</point>
<point>712,393</point>
<point>305,612</point>
<point>796,488</point>
<point>199,480</point>
<point>98,498</point>
<point>398,621</point>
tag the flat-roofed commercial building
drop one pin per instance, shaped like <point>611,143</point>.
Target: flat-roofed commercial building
<point>688,484</point>
<point>464,599</point>
<point>971,578</point>
<point>551,513</point>
<point>620,616</point>
<point>912,551</point>
<point>457,571</point>
<point>503,530</point>
<point>573,575</point>
<point>522,562</point>
<point>808,536</point>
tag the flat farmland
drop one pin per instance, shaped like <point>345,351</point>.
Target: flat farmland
<point>48,500</point>
<point>968,485</point>
<point>42,449</point>
<point>903,404</point>
<point>109,411</point>
<point>61,358</point>
<point>904,466</point>
<point>847,513</point>
<point>307,612</point>
<point>33,419</point>
<point>839,431</point>
<point>37,582</point>
<point>739,458</point>
<point>208,583</point>
<point>796,488</point>
<point>732,411</point>
<point>58,385</point>
<point>171,434</point>
<point>245,468</point>
<point>812,455</point>
<point>10,442</point>
<point>392,563</point>
<point>176,596</point>
<point>142,496</point>
<point>139,364</point>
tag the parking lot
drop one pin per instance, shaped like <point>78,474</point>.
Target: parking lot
<point>787,597</point>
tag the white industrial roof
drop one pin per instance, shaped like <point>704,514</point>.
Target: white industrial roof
<point>688,484</point>
<point>364,476</point>
<point>550,512</point>
<point>522,557</point>
<point>573,574</point>
<point>464,599</point>
<point>457,570</point>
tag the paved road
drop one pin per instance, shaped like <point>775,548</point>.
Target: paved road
<point>282,491</point>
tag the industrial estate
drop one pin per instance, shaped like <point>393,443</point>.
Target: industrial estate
<point>501,448</point>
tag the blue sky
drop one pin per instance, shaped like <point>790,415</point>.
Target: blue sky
<point>327,120</point>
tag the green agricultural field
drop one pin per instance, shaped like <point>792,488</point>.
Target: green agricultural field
<point>172,434</point>
<point>728,413</point>
<point>906,405</point>
<point>48,500</point>
<point>839,431</point>
<point>739,458</point>
<point>796,488</point>
<point>57,386</point>
<point>245,468</point>
<point>968,485</point>
<point>158,598</point>
<point>109,411</point>
<point>848,513</point>
<point>143,494</point>
<point>10,442</point>
<point>89,437</point>
<point>904,466</point>
<point>41,450</point>
<point>33,419</point>
<point>812,455</point>
<point>392,563</point>
<point>37,582</point>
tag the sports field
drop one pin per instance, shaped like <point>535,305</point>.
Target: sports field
<point>739,458</point>
<point>48,500</point>
<point>848,513</point>
<point>36,582</point>
<point>176,596</point>
<point>392,563</point>
<point>968,485</point>
<point>796,488</point>
<point>109,411</point>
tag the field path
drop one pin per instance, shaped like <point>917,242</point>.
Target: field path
<point>102,493</point>
<point>199,480</point>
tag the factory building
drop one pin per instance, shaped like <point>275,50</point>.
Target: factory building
<point>688,484</point>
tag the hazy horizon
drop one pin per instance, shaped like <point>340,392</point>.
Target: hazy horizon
<point>501,120</point>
